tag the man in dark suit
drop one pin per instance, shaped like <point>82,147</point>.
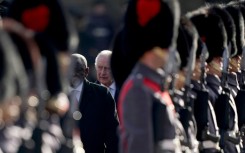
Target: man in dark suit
<point>99,119</point>
<point>103,72</point>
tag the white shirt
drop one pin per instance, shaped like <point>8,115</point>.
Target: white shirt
<point>112,89</point>
<point>77,91</point>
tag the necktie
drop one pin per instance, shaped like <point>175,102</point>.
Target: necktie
<point>111,91</point>
<point>74,100</point>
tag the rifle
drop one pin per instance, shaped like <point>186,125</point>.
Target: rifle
<point>169,67</point>
<point>172,91</point>
<point>203,57</point>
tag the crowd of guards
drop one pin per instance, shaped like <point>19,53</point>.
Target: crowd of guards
<point>181,78</point>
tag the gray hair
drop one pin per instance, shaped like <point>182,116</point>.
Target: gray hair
<point>106,53</point>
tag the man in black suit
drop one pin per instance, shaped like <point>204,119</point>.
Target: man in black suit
<point>103,72</point>
<point>99,119</point>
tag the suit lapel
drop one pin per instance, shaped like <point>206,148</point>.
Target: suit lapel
<point>84,100</point>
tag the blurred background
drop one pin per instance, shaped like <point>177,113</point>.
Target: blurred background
<point>97,22</point>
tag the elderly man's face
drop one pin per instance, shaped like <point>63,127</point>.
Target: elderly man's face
<point>78,75</point>
<point>103,71</point>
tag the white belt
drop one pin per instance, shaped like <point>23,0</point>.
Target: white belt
<point>208,145</point>
<point>170,144</point>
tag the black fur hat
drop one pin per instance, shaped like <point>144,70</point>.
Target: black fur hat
<point>230,27</point>
<point>187,40</point>
<point>148,24</point>
<point>53,72</point>
<point>201,31</point>
<point>211,30</point>
<point>119,71</point>
<point>236,14</point>
<point>47,50</point>
<point>47,17</point>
